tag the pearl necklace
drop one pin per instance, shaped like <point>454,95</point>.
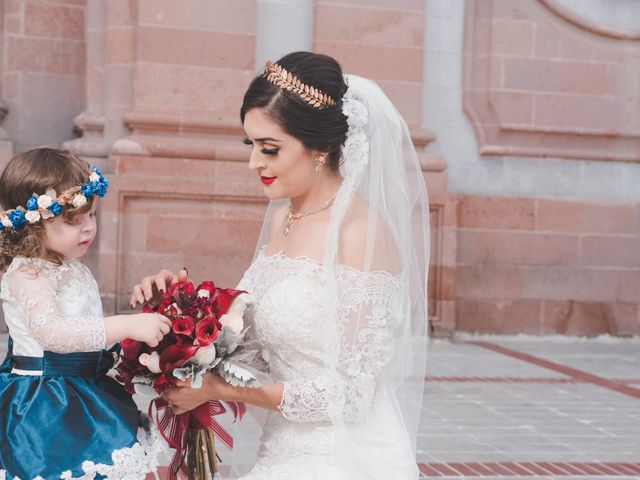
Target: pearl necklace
<point>292,217</point>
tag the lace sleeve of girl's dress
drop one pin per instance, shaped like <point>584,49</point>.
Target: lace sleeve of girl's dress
<point>34,291</point>
<point>370,310</point>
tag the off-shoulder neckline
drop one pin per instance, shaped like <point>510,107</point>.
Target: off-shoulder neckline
<point>282,256</point>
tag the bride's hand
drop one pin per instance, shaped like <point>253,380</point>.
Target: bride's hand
<point>149,287</point>
<point>183,398</point>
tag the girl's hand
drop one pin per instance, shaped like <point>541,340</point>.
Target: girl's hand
<point>184,398</point>
<point>149,287</point>
<point>148,328</point>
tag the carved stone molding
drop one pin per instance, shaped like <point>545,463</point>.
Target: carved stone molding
<point>575,101</point>
<point>218,243</point>
<point>217,137</point>
<point>600,27</point>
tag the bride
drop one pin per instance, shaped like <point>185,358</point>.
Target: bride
<point>338,280</point>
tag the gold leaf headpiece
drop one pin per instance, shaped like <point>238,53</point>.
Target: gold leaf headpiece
<point>278,76</point>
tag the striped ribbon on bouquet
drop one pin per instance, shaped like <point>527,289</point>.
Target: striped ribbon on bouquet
<point>175,428</point>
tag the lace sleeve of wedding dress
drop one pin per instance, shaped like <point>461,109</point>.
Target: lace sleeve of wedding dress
<point>346,393</point>
<point>34,290</point>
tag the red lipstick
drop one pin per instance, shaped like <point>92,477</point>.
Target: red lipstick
<point>267,180</point>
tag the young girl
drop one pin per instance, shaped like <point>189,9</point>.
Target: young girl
<point>62,416</point>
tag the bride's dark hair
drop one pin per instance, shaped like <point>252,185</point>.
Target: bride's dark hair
<point>323,129</point>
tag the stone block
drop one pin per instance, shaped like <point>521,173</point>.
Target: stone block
<point>54,21</point>
<point>496,213</point>
<point>388,26</point>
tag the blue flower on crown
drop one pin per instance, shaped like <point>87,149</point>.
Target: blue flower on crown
<point>55,208</point>
<point>98,186</point>
<point>101,188</point>
<point>17,219</point>
<point>32,203</point>
<point>87,190</point>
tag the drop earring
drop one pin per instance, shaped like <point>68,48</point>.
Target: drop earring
<point>321,160</point>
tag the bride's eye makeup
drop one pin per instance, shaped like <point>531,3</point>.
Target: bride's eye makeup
<point>270,151</point>
<point>263,150</point>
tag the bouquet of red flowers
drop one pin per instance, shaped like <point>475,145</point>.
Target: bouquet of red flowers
<point>207,335</point>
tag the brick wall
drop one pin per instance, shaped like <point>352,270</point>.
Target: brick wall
<point>545,266</point>
<point>534,199</point>
<point>43,69</point>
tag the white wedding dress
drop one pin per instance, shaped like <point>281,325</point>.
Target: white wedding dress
<point>343,329</point>
<point>317,432</point>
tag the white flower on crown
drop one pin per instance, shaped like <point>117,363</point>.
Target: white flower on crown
<point>6,223</point>
<point>32,216</point>
<point>94,177</point>
<point>202,293</point>
<point>44,201</point>
<point>79,200</point>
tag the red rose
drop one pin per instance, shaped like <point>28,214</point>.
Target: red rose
<point>131,349</point>
<point>129,365</point>
<point>206,331</point>
<point>208,287</point>
<point>184,325</point>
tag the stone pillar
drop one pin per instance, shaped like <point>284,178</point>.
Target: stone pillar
<point>283,27</point>
<point>110,66</point>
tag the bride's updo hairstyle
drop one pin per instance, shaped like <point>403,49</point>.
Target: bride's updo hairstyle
<point>320,127</point>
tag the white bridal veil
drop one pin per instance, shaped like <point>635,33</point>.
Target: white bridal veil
<point>375,259</point>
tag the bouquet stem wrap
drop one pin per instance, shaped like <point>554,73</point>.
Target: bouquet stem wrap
<point>191,434</point>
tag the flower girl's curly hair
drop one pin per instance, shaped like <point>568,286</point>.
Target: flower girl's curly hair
<point>36,171</point>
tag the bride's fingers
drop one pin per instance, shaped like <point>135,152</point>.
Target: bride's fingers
<point>138,296</point>
<point>147,287</point>
<point>183,275</point>
<point>160,283</point>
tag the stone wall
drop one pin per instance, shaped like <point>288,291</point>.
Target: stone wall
<point>525,115</point>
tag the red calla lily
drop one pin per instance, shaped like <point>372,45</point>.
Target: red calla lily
<point>175,356</point>
<point>184,326</point>
<point>206,331</point>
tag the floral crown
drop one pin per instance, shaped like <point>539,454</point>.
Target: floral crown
<point>50,205</point>
<point>279,77</point>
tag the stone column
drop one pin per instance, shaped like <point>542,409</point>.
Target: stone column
<point>283,27</point>
<point>110,57</point>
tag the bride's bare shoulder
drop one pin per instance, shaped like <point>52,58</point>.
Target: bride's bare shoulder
<point>362,234</point>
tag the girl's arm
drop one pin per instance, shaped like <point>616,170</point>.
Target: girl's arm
<point>143,327</point>
<point>35,296</point>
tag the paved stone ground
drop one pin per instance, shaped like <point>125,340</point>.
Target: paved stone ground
<point>518,407</point>
<point>525,407</point>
